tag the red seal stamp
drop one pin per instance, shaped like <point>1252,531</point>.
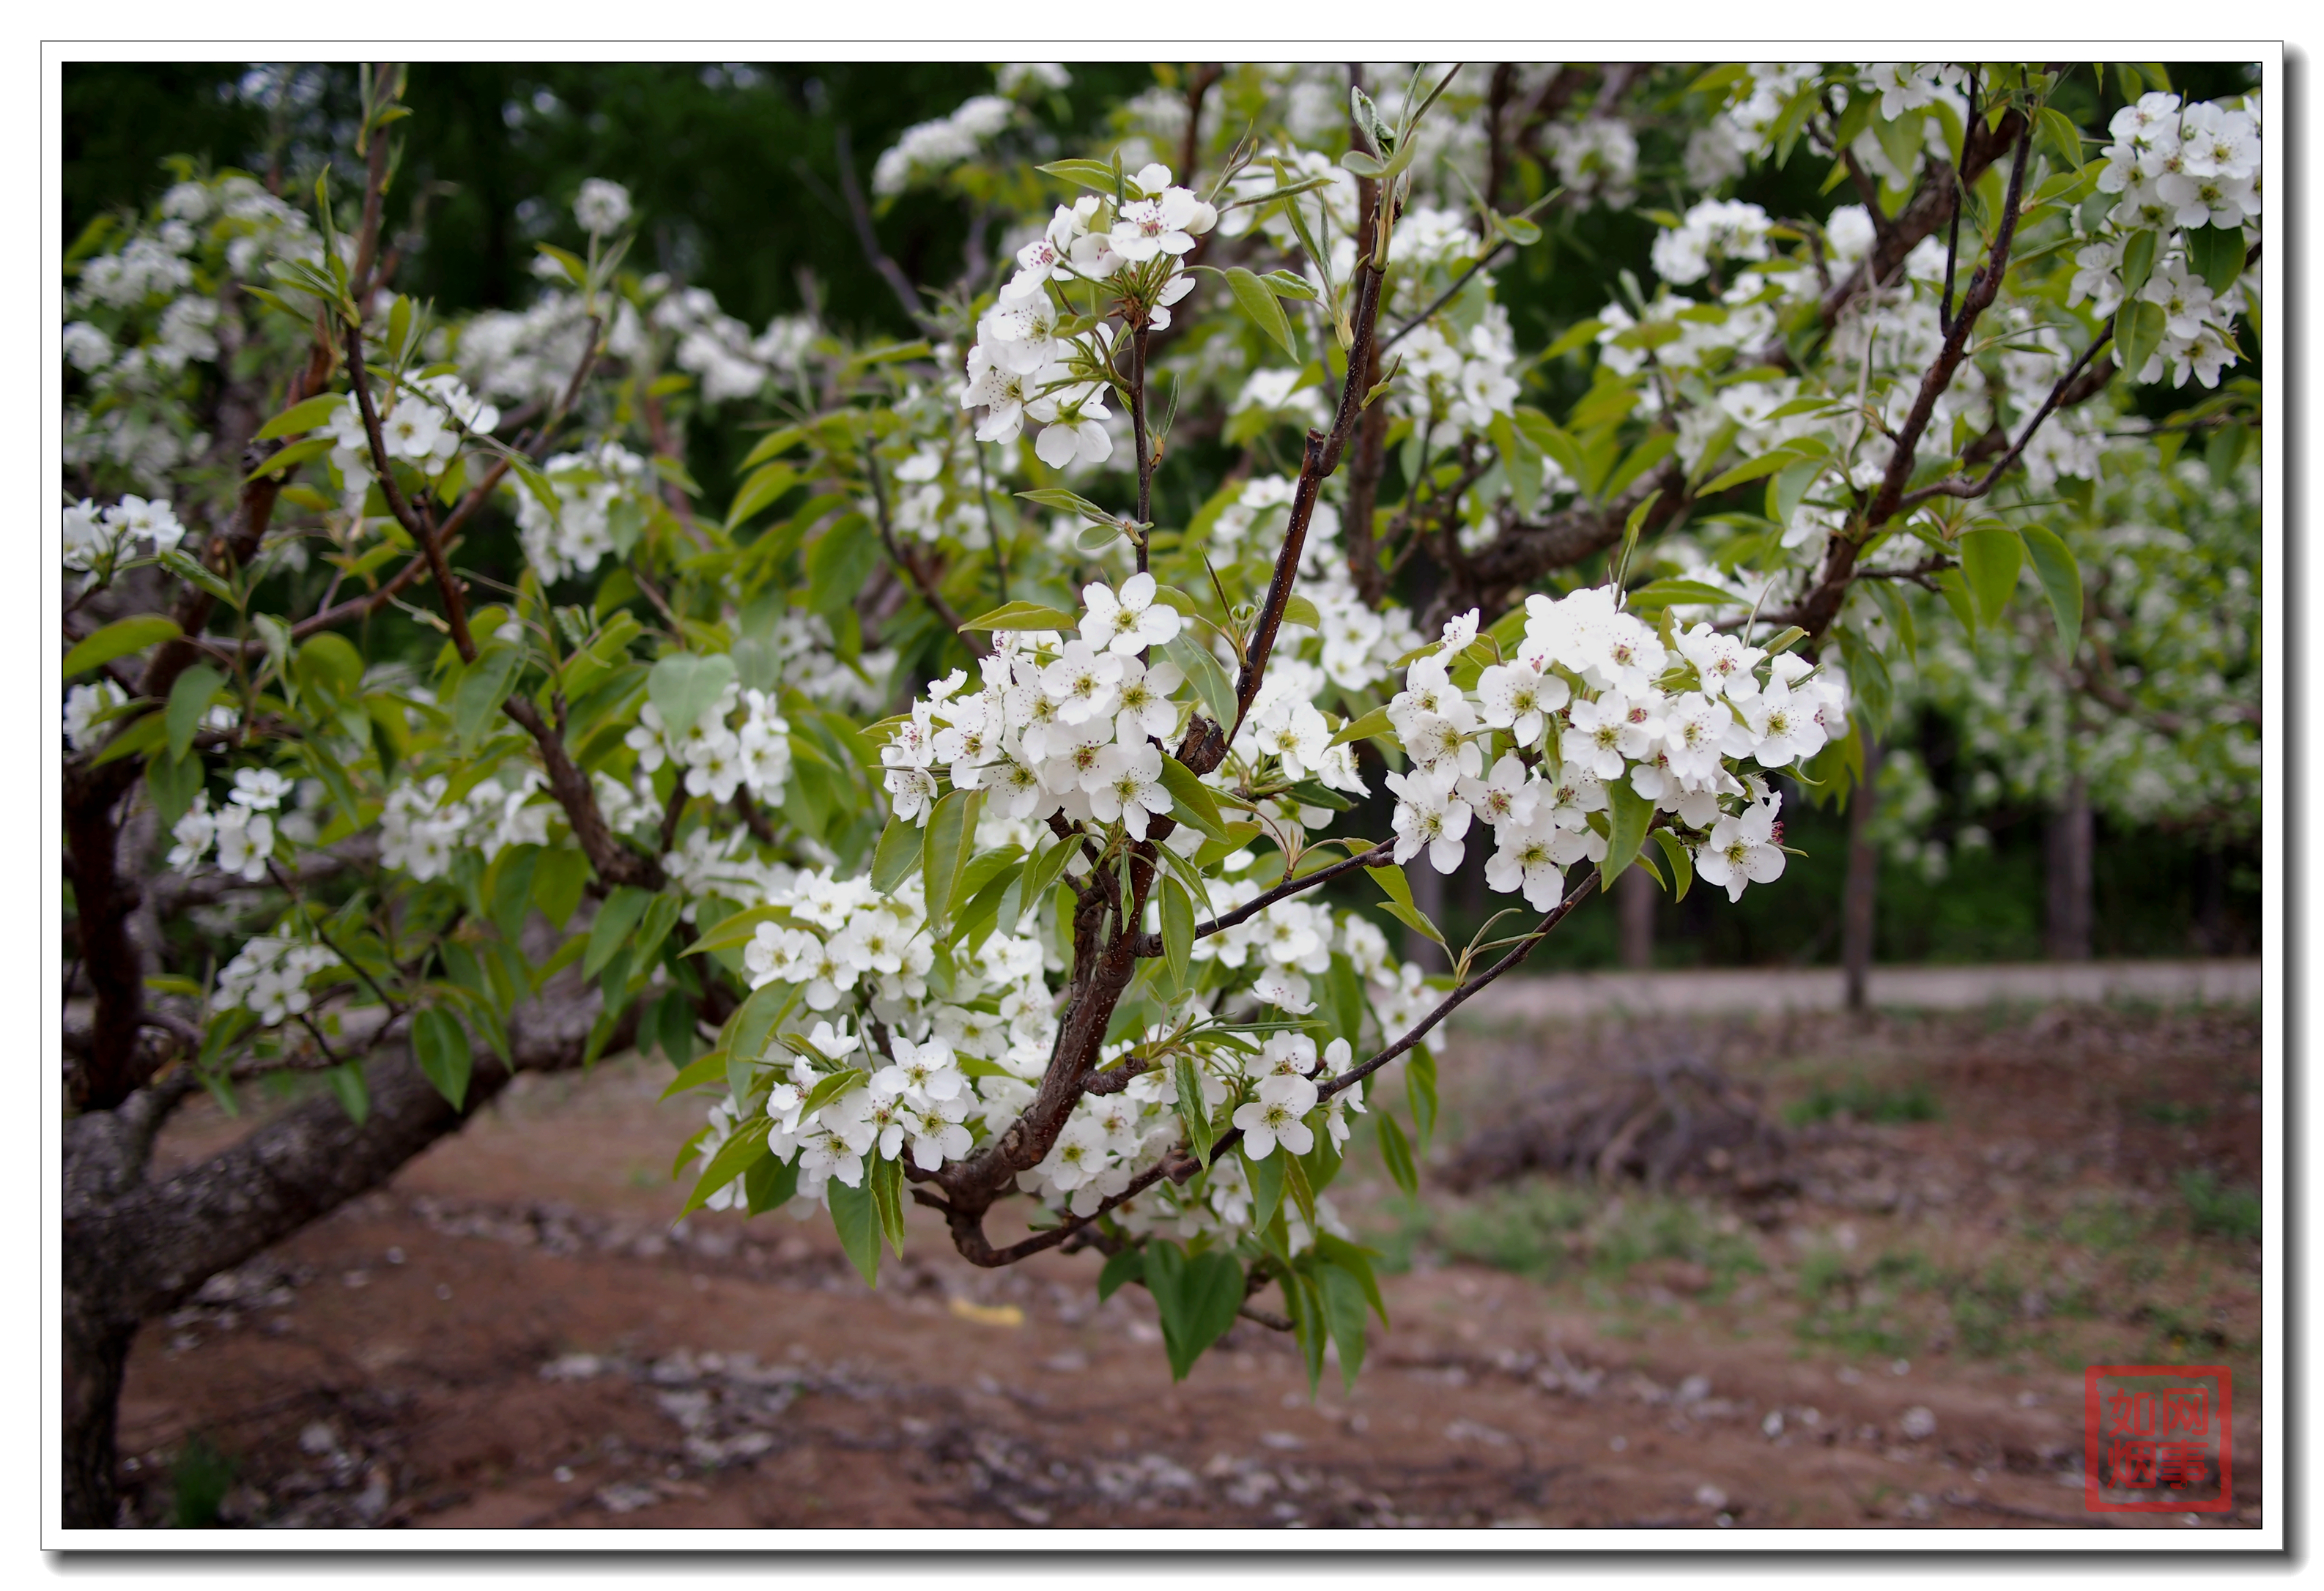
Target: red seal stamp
<point>2157,1438</point>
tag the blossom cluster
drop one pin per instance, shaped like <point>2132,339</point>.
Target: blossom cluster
<point>602,494</point>
<point>929,148</point>
<point>142,313</point>
<point>241,833</point>
<point>1594,696</point>
<point>959,1066</point>
<point>422,826</point>
<point>2178,166</point>
<point>719,758</point>
<point>1020,368</point>
<point>1057,726</point>
<point>94,535</point>
<point>424,429</point>
<point>268,977</point>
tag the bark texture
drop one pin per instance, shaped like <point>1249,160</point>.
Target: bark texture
<point>135,1248</point>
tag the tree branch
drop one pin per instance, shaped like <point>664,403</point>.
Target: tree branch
<point>860,214</point>
<point>922,581</point>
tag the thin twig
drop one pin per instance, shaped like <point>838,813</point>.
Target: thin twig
<point>292,889</point>
<point>922,581</point>
<point>1447,297</point>
<point>860,214</point>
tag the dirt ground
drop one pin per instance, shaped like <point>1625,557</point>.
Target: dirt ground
<point>1891,1333</point>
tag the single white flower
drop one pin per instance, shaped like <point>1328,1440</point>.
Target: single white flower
<point>1129,622</point>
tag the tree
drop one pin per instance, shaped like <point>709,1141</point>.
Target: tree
<point>953,810</point>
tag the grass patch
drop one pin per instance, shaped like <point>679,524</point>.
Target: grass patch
<point>1856,1311</point>
<point>2172,1113</point>
<point>199,1479</point>
<point>1864,1101</point>
<point>2218,1209</point>
<point>1524,1229</point>
<point>1637,1229</point>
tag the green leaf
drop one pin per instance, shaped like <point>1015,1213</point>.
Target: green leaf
<point>1071,503</point>
<point>1209,680</point>
<point>839,564</point>
<point>2139,330</point>
<point>760,490</point>
<point>118,639</point>
<point>1040,874</point>
<point>1990,558</point>
<point>896,856</point>
<point>1197,1298</point>
<point>750,1028</point>
<point>2058,129</point>
<point>700,1072</point>
<point>779,440</point>
<point>142,738</point>
<point>440,1045</point>
<point>1265,1177</point>
<point>172,782</point>
<point>1265,312</point>
<point>611,930</point>
<point>1790,487</point>
<point>1025,616</point>
<point>732,932</point>
<point>2062,583</point>
<point>1954,589</point>
<point>769,1183</point>
<point>684,685</point>
<point>558,882</point>
<point>1118,1271</point>
<point>661,915</point>
<point>2217,253</point>
<point>855,1214</point>
<point>283,460</point>
<point>1766,463</point>
<point>1343,1313</point>
<point>1372,726</point>
<point>1627,814</point>
<point>1194,1113</point>
<point>886,1180</point>
<point>189,699</point>
<point>744,1147</point>
<point>302,417</point>
<point>945,851</point>
<point>1191,800</point>
<point>1097,176</point>
<point>1867,677</point>
<point>194,572</point>
<point>483,686</point>
<point>1178,930</point>
<point>330,666</point>
<point>1674,593</point>
<point>1681,864</point>
<point>2138,256</point>
<point>1420,1093</point>
<point>354,1096</point>
<point>1298,610</point>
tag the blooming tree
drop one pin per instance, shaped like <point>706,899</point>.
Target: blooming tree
<point>955,809</point>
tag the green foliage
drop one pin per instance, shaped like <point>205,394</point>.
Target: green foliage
<point>200,1475</point>
<point>2220,1209</point>
<point>1865,1101</point>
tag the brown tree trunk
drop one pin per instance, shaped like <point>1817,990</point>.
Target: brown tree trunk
<point>1635,895</point>
<point>2068,844</point>
<point>1858,914</point>
<point>134,1248</point>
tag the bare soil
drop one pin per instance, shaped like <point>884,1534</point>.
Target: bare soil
<point>1890,1331</point>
